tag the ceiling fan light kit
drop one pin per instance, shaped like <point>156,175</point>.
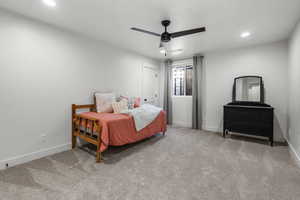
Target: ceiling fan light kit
<point>177,51</point>
<point>166,36</point>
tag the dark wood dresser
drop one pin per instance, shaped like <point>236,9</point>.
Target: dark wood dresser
<point>249,118</point>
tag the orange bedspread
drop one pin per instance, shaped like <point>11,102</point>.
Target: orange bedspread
<point>119,129</point>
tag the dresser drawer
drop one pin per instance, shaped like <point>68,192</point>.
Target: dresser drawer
<point>257,121</point>
<point>249,128</point>
<point>247,114</point>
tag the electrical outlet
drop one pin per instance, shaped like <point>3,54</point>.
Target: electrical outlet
<point>44,136</point>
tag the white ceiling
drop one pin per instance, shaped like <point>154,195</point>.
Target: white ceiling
<point>110,21</point>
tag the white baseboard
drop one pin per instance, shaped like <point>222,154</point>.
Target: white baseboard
<point>212,129</point>
<point>33,156</point>
<point>294,154</point>
<point>182,124</point>
<point>204,127</point>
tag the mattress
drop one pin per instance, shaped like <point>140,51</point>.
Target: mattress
<point>119,129</point>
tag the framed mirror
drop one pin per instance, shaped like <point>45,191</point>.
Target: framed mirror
<point>248,89</point>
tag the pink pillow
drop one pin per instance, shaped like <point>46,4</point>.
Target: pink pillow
<point>137,102</point>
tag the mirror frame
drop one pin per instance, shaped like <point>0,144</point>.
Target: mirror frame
<point>262,90</point>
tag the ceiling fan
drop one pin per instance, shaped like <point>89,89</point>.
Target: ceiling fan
<point>166,36</point>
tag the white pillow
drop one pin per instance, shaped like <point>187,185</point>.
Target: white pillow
<point>104,102</point>
<point>120,106</point>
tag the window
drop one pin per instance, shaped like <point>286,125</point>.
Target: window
<point>182,80</point>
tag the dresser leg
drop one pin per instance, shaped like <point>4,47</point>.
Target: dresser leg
<point>271,142</point>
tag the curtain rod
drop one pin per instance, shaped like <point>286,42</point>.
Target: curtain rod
<point>187,58</point>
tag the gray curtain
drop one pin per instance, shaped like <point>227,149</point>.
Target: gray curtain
<point>197,92</point>
<point>168,91</point>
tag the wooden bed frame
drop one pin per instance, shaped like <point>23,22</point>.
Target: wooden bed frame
<point>86,128</point>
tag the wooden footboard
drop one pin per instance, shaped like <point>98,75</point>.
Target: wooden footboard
<point>86,128</point>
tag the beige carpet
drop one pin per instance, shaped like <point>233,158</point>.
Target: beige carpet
<point>184,165</point>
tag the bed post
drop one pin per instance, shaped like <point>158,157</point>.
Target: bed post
<point>86,128</point>
<point>74,138</point>
<point>98,155</point>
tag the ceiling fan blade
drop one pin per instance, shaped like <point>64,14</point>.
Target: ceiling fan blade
<point>145,31</point>
<point>188,32</point>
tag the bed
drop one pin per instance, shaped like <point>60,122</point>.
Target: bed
<point>109,129</point>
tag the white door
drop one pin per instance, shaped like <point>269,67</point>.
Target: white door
<point>150,86</point>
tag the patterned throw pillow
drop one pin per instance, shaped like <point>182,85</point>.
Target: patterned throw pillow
<point>120,106</point>
<point>104,102</point>
<point>133,102</point>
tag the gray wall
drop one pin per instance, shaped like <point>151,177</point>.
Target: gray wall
<point>43,70</point>
<point>221,67</point>
<point>294,91</point>
<point>269,61</point>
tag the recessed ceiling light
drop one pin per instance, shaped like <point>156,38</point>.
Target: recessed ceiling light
<point>245,34</point>
<point>50,3</point>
